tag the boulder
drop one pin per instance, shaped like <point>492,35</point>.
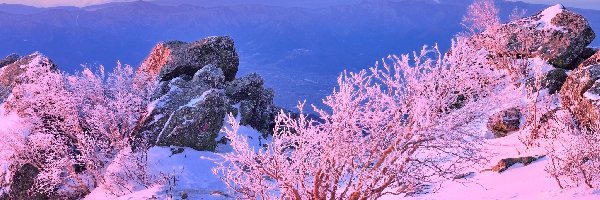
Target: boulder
<point>552,80</point>
<point>196,88</point>
<point>556,35</point>
<point>169,60</point>
<point>255,102</point>
<point>506,163</point>
<point>22,183</point>
<point>581,94</point>
<point>187,113</point>
<point>505,122</point>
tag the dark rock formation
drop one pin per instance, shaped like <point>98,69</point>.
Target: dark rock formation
<point>504,122</point>
<point>552,80</point>
<point>169,60</point>
<point>188,113</point>
<point>196,88</point>
<point>505,163</point>
<point>9,60</point>
<point>22,183</point>
<point>255,102</point>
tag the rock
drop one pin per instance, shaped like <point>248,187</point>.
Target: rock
<point>169,60</point>
<point>187,113</point>
<point>464,175</point>
<point>552,80</point>
<point>505,163</point>
<point>593,59</point>
<point>247,87</point>
<point>11,74</point>
<point>581,93</point>
<point>557,35</point>
<point>22,183</point>
<point>256,102</point>
<point>586,55</point>
<point>504,122</point>
<point>195,124</point>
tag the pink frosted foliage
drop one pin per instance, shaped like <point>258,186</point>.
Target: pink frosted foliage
<point>398,128</point>
<point>78,124</point>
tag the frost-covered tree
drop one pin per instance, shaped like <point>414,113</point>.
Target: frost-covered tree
<point>79,123</point>
<point>481,15</point>
<point>397,128</point>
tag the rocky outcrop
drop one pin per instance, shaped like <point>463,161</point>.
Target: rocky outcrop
<point>12,73</point>
<point>556,35</point>
<point>506,163</point>
<point>187,113</point>
<point>552,80</point>
<point>22,183</point>
<point>169,60</point>
<point>255,102</point>
<point>581,92</point>
<point>196,88</point>
<point>505,122</point>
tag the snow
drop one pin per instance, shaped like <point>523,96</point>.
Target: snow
<point>192,170</point>
<point>548,14</point>
<point>10,125</point>
<point>518,182</point>
<point>591,96</point>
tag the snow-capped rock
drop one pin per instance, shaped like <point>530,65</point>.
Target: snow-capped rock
<point>556,34</point>
<point>196,88</point>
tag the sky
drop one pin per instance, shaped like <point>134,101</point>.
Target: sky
<point>589,4</point>
<point>52,3</point>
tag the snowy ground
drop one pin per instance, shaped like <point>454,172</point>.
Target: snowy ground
<point>192,171</point>
<point>194,177</point>
<point>518,182</point>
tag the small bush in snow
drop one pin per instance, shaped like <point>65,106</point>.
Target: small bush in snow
<point>574,151</point>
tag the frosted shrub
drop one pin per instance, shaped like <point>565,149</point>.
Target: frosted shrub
<point>481,15</point>
<point>397,128</point>
<point>79,123</point>
<point>574,151</point>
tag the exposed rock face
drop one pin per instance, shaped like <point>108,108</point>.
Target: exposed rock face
<point>552,80</point>
<point>169,60</point>
<point>581,94</point>
<point>188,113</point>
<point>504,122</point>
<point>11,74</point>
<point>256,103</point>
<point>557,35</point>
<point>196,88</point>
<point>22,183</point>
<point>506,163</point>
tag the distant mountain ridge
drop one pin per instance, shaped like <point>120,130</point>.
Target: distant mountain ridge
<point>298,49</point>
